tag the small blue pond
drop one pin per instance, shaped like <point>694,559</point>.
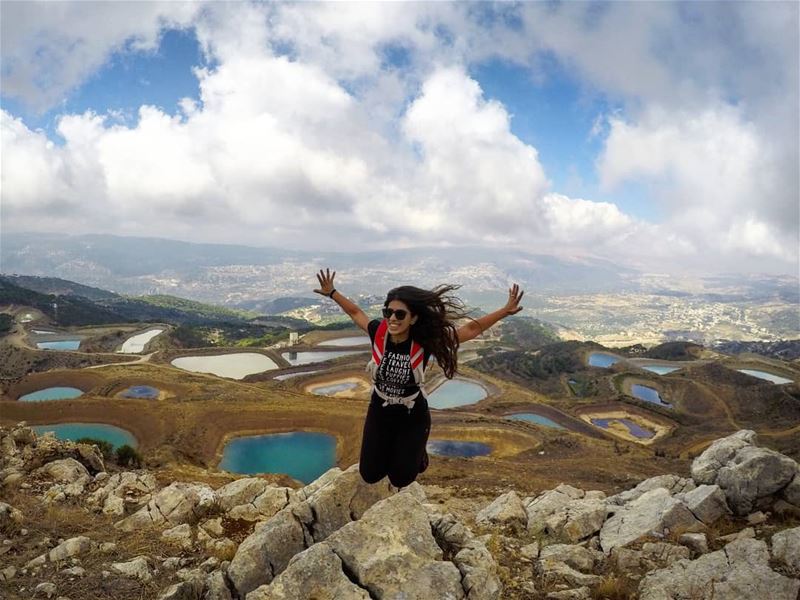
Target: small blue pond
<point>534,418</point>
<point>97,431</point>
<point>648,394</point>
<point>302,455</point>
<point>329,390</point>
<point>456,392</point>
<point>660,369</point>
<point>764,375</point>
<point>306,358</point>
<point>51,393</point>
<point>140,391</point>
<point>599,359</point>
<point>635,429</point>
<point>60,345</point>
<point>456,448</point>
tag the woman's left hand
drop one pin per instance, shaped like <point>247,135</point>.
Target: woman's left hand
<point>515,294</point>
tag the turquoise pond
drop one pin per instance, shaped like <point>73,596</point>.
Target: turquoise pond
<point>456,448</point>
<point>764,375</point>
<point>600,359</point>
<point>302,455</point>
<point>51,393</point>
<point>358,340</point>
<point>306,358</point>
<point>648,394</point>
<point>456,392</point>
<point>59,345</point>
<point>97,431</point>
<point>140,391</point>
<point>328,390</point>
<point>635,429</point>
<point>659,369</point>
<point>534,418</point>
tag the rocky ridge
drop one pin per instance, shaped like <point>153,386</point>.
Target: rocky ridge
<point>730,530</point>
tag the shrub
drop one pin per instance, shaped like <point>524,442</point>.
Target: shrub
<point>128,456</point>
<point>106,448</point>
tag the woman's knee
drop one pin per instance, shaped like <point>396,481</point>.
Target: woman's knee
<point>400,480</point>
<point>370,475</point>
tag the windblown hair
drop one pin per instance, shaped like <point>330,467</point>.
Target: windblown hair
<point>435,330</point>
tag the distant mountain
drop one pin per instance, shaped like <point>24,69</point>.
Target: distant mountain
<point>245,276</point>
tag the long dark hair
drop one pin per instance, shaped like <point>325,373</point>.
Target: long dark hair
<point>434,330</point>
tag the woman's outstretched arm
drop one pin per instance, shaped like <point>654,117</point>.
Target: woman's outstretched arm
<point>477,326</point>
<point>326,288</point>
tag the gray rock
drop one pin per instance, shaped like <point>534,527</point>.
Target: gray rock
<point>566,511</point>
<point>266,552</point>
<point>69,548</point>
<point>744,534</point>
<point>10,517</point>
<point>315,573</point>
<point>74,572</point>
<point>555,571</point>
<point>695,541</point>
<point>547,503</point>
<point>216,588</point>
<point>706,466</point>
<point>107,547</point>
<point>507,511</point>
<point>136,568</point>
<point>478,569</point>
<point>576,557</point>
<point>652,513</point>
<point>740,571</point>
<point>180,535</point>
<point>786,549</point>
<point>450,533</point>
<point>791,493</point>
<point>66,470</point>
<point>213,527</point>
<point>707,503</point>
<point>185,590</point>
<point>757,518</point>
<point>745,472</point>
<point>47,590</point>
<point>530,551</point>
<point>176,504</point>
<point>8,573</point>
<point>672,483</point>
<point>581,593</point>
<point>391,550</point>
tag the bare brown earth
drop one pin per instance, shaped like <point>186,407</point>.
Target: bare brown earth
<point>184,432</point>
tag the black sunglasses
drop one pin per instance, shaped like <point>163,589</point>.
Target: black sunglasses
<point>400,314</point>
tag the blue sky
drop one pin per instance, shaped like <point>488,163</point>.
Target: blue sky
<point>533,125</point>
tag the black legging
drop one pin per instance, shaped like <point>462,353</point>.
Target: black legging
<point>394,441</point>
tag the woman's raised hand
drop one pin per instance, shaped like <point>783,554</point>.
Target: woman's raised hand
<point>325,279</point>
<point>515,294</point>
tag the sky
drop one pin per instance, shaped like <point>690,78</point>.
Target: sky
<point>660,135</point>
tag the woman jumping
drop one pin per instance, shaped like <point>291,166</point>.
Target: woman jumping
<point>416,325</point>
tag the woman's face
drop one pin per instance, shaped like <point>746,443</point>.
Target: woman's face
<point>399,327</point>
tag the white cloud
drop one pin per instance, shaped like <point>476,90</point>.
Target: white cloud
<point>48,48</point>
<point>304,133</point>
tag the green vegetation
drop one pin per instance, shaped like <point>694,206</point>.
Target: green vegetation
<point>527,333</point>
<point>127,456</point>
<point>197,308</point>
<point>6,323</point>
<point>550,360</point>
<point>675,351</point>
<point>106,448</point>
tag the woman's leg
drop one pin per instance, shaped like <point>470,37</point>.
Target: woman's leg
<point>375,446</point>
<point>408,450</point>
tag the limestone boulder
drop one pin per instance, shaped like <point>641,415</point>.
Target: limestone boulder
<point>123,490</point>
<point>479,574</point>
<point>575,556</point>
<point>315,573</point>
<point>65,470</point>
<point>506,511</point>
<point>791,493</point>
<point>566,511</point>
<point>745,472</point>
<point>72,547</point>
<point>180,535</point>
<point>652,514</point>
<point>175,504</point>
<point>740,571</point>
<point>392,552</point>
<point>10,517</point>
<point>673,483</point>
<point>136,568</point>
<point>786,549</point>
<point>707,503</point>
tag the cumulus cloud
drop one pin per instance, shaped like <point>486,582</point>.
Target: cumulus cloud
<point>48,48</point>
<point>318,123</point>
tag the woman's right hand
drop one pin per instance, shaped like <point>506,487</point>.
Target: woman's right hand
<point>325,279</point>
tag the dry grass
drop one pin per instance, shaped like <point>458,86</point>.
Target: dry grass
<point>614,586</point>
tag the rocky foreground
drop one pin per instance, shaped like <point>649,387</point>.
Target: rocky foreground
<point>729,531</point>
